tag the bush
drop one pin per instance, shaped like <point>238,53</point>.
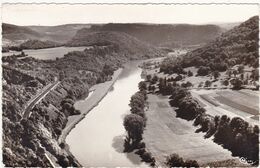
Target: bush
<point>237,83</point>
<point>191,163</point>
<point>207,83</point>
<point>174,160</point>
<point>203,71</point>
<point>190,73</point>
<point>147,157</point>
<point>63,161</point>
<point>225,82</point>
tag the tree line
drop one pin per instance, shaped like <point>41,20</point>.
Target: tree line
<point>135,124</point>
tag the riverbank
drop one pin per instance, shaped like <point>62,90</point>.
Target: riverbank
<point>99,92</point>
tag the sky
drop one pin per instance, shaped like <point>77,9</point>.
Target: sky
<point>51,14</point>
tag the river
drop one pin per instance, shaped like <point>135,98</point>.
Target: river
<point>98,139</point>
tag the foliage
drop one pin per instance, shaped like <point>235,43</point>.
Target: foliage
<point>203,71</point>
<point>37,44</point>
<point>237,83</point>
<point>134,125</point>
<point>174,160</point>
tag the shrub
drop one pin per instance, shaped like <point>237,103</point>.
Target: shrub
<point>174,160</point>
<point>237,83</point>
<point>190,73</point>
<point>191,163</point>
<point>203,71</point>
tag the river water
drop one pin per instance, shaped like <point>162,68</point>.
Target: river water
<point>98,139</point>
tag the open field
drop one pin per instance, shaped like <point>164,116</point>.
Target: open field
<point>232,103</point>
<point>166,134</point>
<point>239,100</point>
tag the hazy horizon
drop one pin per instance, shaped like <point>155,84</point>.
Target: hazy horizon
<point>54,15</point>
<point>214,23</point>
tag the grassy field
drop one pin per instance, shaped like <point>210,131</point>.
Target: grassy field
<point>228,102</point>
<point>239,100</point>
<point>166,134</point>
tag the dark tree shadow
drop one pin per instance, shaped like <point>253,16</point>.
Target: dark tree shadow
<point>118,145</point>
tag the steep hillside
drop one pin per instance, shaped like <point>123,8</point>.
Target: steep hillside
<point>236,46</point>
<point>60,33</point>
<point>13,34</point>
<point>123,42</point>
<point>37,44</point>
<point>164,34</point>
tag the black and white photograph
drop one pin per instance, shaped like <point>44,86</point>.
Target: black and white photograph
<point>130,85</point>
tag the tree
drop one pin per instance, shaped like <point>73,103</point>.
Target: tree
<point>134,125</point>
<point>225,82</point>
<point>190,73</point>
<point>235,73</point>
<point>207,83</point>
<point>148,78</point>
<point>178,78</point>
<point>108,70</point>
<point>22,54</point>
<point>63,161</point>
<point>229,73</point>
<point>154,79</point>
<point>191,163</point>
<point>142,86</point>
<point>203,71</point>
<point>61,75</point>
<point>216,74</point>
<point>255,74</point>
<point>240,69</point>
<point>174,160</point>
<point>237,83</point>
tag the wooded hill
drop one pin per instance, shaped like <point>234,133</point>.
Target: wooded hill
<point>236,46</point>
<point>121,42</point>
<point>164,34</point>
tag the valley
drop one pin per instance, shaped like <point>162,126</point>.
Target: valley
<point>131,95</point>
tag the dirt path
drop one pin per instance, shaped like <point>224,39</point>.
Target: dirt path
<point>166,134</point>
